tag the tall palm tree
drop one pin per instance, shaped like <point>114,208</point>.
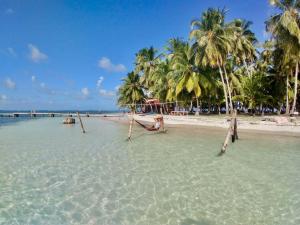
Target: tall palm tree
<point>212,42</point>
<point>244,50</point>
<point>285,28</point>
<point>284,69</point>
<point>131,91</point>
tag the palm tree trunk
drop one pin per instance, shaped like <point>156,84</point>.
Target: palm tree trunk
<point>229,89</point>
<point>133,109</point>
<point>246,66</point>
<point>209,105</point>
<point>261,109</point>
<point>280,108</point>
<point>296,87</point>
<point>287,105</point>
<point>224,88</point>
<point>200,107</point>
<point>197,101</point>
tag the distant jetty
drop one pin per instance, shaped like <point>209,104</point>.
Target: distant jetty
<point>55,114</point>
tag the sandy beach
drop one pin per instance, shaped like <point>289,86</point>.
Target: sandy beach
<point>262,124</point>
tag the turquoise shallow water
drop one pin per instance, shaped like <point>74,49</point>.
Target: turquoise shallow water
<point>53,174</point>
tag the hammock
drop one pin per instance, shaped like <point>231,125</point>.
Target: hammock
<point>152,128</point>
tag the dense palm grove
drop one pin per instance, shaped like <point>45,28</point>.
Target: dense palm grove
<point>222,66</point>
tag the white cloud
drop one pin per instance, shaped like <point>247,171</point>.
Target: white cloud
<point>106,64</point>
<point>35,54</point>
<point>11,52</point>
<point>42,85</point>
<point>3,97</point>
<point>103,92</point>
<point>117,87</point>
<point>33,78</point>
<point>99,81</point>
<point>9,11</point>
<point>85,92</point>
<point>9,84</point>
<point>47,90</point>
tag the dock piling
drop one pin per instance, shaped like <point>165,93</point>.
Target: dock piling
<point>81,124</point>
<point>232,131</point>
<point>130,128</point>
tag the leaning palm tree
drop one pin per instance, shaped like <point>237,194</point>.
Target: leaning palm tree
<point>285,28</point>
<point>212,42</point>
<point>131,91</point>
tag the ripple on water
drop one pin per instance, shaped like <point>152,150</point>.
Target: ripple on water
<point>53,174</point>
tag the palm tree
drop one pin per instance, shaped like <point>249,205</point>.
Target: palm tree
<point>145,62</point>
<point>160,75</point>
<point>131,91</point>
<point>284,69</point>
<point>284,26</point>
<point>185,71</point>
<point>212,42</point>
<point>244,51</point>
<point>254,90</point>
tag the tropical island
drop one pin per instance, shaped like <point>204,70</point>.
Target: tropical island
<point>159,160</point>
<point>221,66</point>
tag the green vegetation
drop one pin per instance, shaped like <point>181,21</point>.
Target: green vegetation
<point>223,65</point>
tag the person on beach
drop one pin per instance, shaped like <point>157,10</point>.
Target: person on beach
<point>157,125</point>
<point>158,121</point>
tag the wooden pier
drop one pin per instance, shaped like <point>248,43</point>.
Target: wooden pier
<point>32,114</point>
<point>54,114</point>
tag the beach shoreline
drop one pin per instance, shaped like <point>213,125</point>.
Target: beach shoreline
<point>257,124</point>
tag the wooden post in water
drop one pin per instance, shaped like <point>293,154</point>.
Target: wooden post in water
<point>229,133</point>
<point>130,128</point>
<point>235,135</point>
<point>81,124</point>
<point>232,131</point>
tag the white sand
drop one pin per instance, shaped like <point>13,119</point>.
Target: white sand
<point>263,124</point>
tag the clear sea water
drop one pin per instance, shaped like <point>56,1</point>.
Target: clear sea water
<point>51,173</point>
<point>11,120</point>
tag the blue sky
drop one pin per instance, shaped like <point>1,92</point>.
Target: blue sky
<point>73,54</point>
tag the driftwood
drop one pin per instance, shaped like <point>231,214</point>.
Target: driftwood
<point>81,124</point>
<point>130,128</point>
<point>232,132</point>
